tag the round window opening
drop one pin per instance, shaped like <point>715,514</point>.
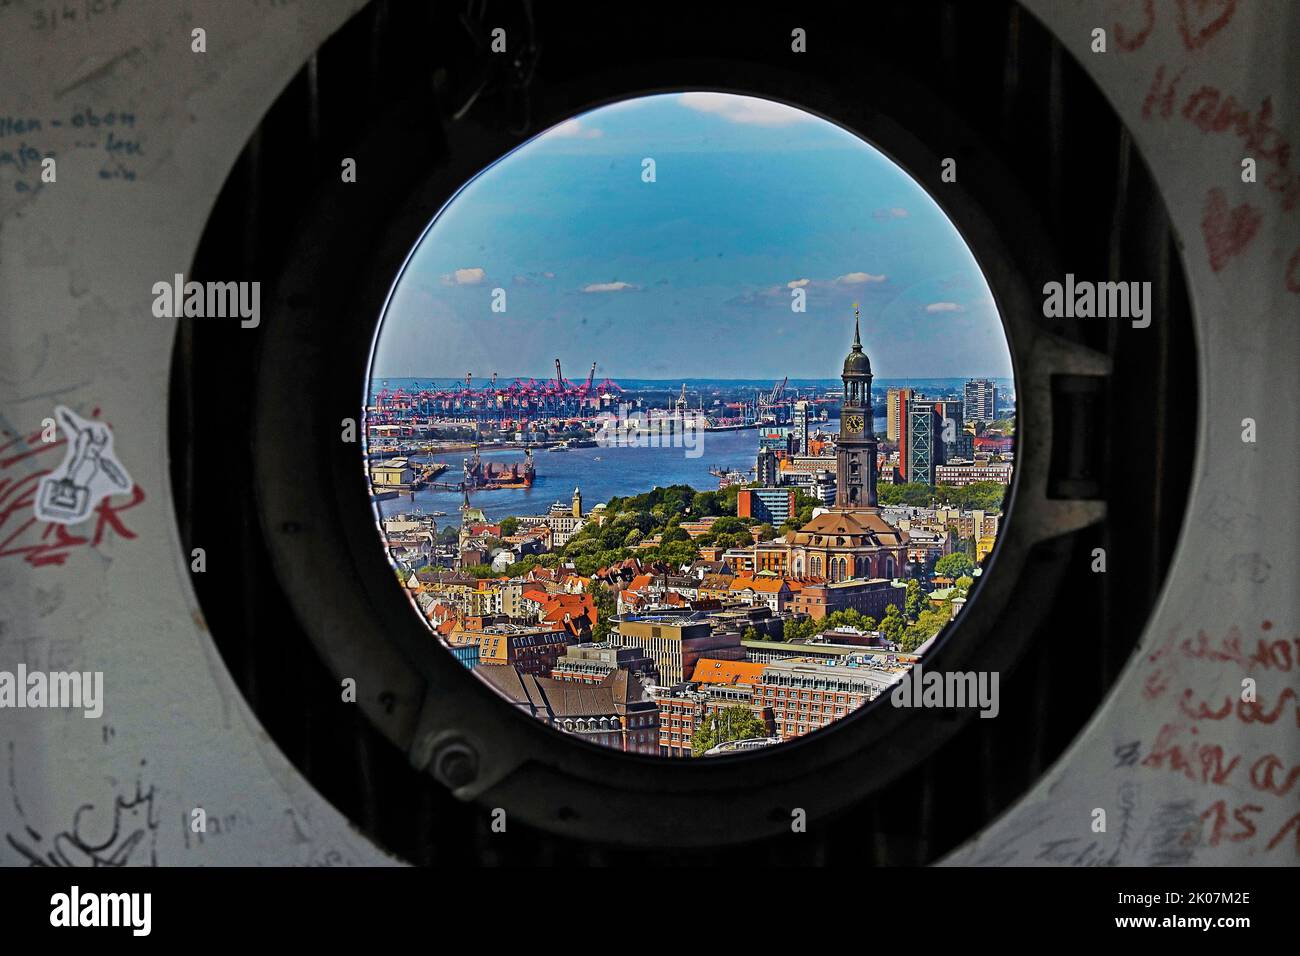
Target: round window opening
<point>690,424</point>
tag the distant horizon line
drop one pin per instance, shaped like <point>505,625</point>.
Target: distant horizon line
<point>689,379</point>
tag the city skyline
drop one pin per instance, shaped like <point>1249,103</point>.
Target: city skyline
<point>751,200</point>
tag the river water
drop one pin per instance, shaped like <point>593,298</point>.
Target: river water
<point>601,474</point>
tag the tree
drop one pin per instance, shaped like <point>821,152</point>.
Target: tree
<point>929,624</point>
<point>915,600</point>
<point>606,607</point>
<point>730,723</point>
<point>765,532</point>
<point>675,534</point>
<point>509,526</point>
<point>522,566</point>
<point>964,583</point>
<point>915,494</point>
<point>750,634</point>
<point>741,539</point>
<point>703,504</point>
<point>955,565</point>
<point>892,624</point>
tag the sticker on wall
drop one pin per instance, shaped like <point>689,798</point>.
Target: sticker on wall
<point>89,473</point>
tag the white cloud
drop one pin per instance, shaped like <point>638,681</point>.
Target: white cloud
<point>944,307</point>
<point>856,278</point>
<point>743,109</point>
<point>573,129</point>
<point>797,283</point>
<point>897,212</point>
<point>609,287</point>
<point>464,277</point>
<point>533,278</point>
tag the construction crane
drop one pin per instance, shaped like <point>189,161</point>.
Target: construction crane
<point>778,391</point>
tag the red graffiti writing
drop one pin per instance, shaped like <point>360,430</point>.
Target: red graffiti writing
<point>1247,711</point>
<point>45,543</point>
<point>1246,828</point>
<point>1200,20</point>
<point>1263,775</point>
<point>1201,763</point>
<point>1227,231</point>
<point>1210,110</point>
<point>1129,41</point>
<point>1281,654</point>
<point>1218,811</point>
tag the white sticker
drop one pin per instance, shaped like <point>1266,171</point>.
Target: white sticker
<point>89,473</point>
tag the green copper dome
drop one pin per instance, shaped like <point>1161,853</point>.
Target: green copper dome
<point>856,362</point>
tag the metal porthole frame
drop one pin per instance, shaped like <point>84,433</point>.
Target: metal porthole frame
<point>324,545</point>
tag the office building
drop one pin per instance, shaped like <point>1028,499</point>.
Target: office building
<point>960,475</point>
<point>805,695</point>
<point>952,427</point>
<point>924,441</point>
<point>767,468</point>
<point>773,505</point>
<point>802,414</point>
<point>675,643</point>
<point>981,404</point>
<point>895,408</point>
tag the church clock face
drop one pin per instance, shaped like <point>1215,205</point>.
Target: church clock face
<point>854,423</point>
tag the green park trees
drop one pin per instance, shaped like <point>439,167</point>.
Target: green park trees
<point>729,723</point>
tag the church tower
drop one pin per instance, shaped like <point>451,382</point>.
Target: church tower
<point>855,460</point>
<point>576,507</point>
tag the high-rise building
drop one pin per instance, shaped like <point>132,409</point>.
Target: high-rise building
<point>895,409</point>
<point>767,468</point>
<point>952,426</point>
<point>802,412</point>
<point>773,505</point>
<point>924,441</point>
<point>981,400</point>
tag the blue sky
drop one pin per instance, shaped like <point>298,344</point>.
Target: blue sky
<point>690,276</point>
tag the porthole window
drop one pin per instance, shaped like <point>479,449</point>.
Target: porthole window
<point>787,357</point>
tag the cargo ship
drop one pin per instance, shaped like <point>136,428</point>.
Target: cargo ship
<point>484,475</point>
<point>728,477</point>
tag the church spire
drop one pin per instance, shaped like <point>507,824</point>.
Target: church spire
<point>856,363</point>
